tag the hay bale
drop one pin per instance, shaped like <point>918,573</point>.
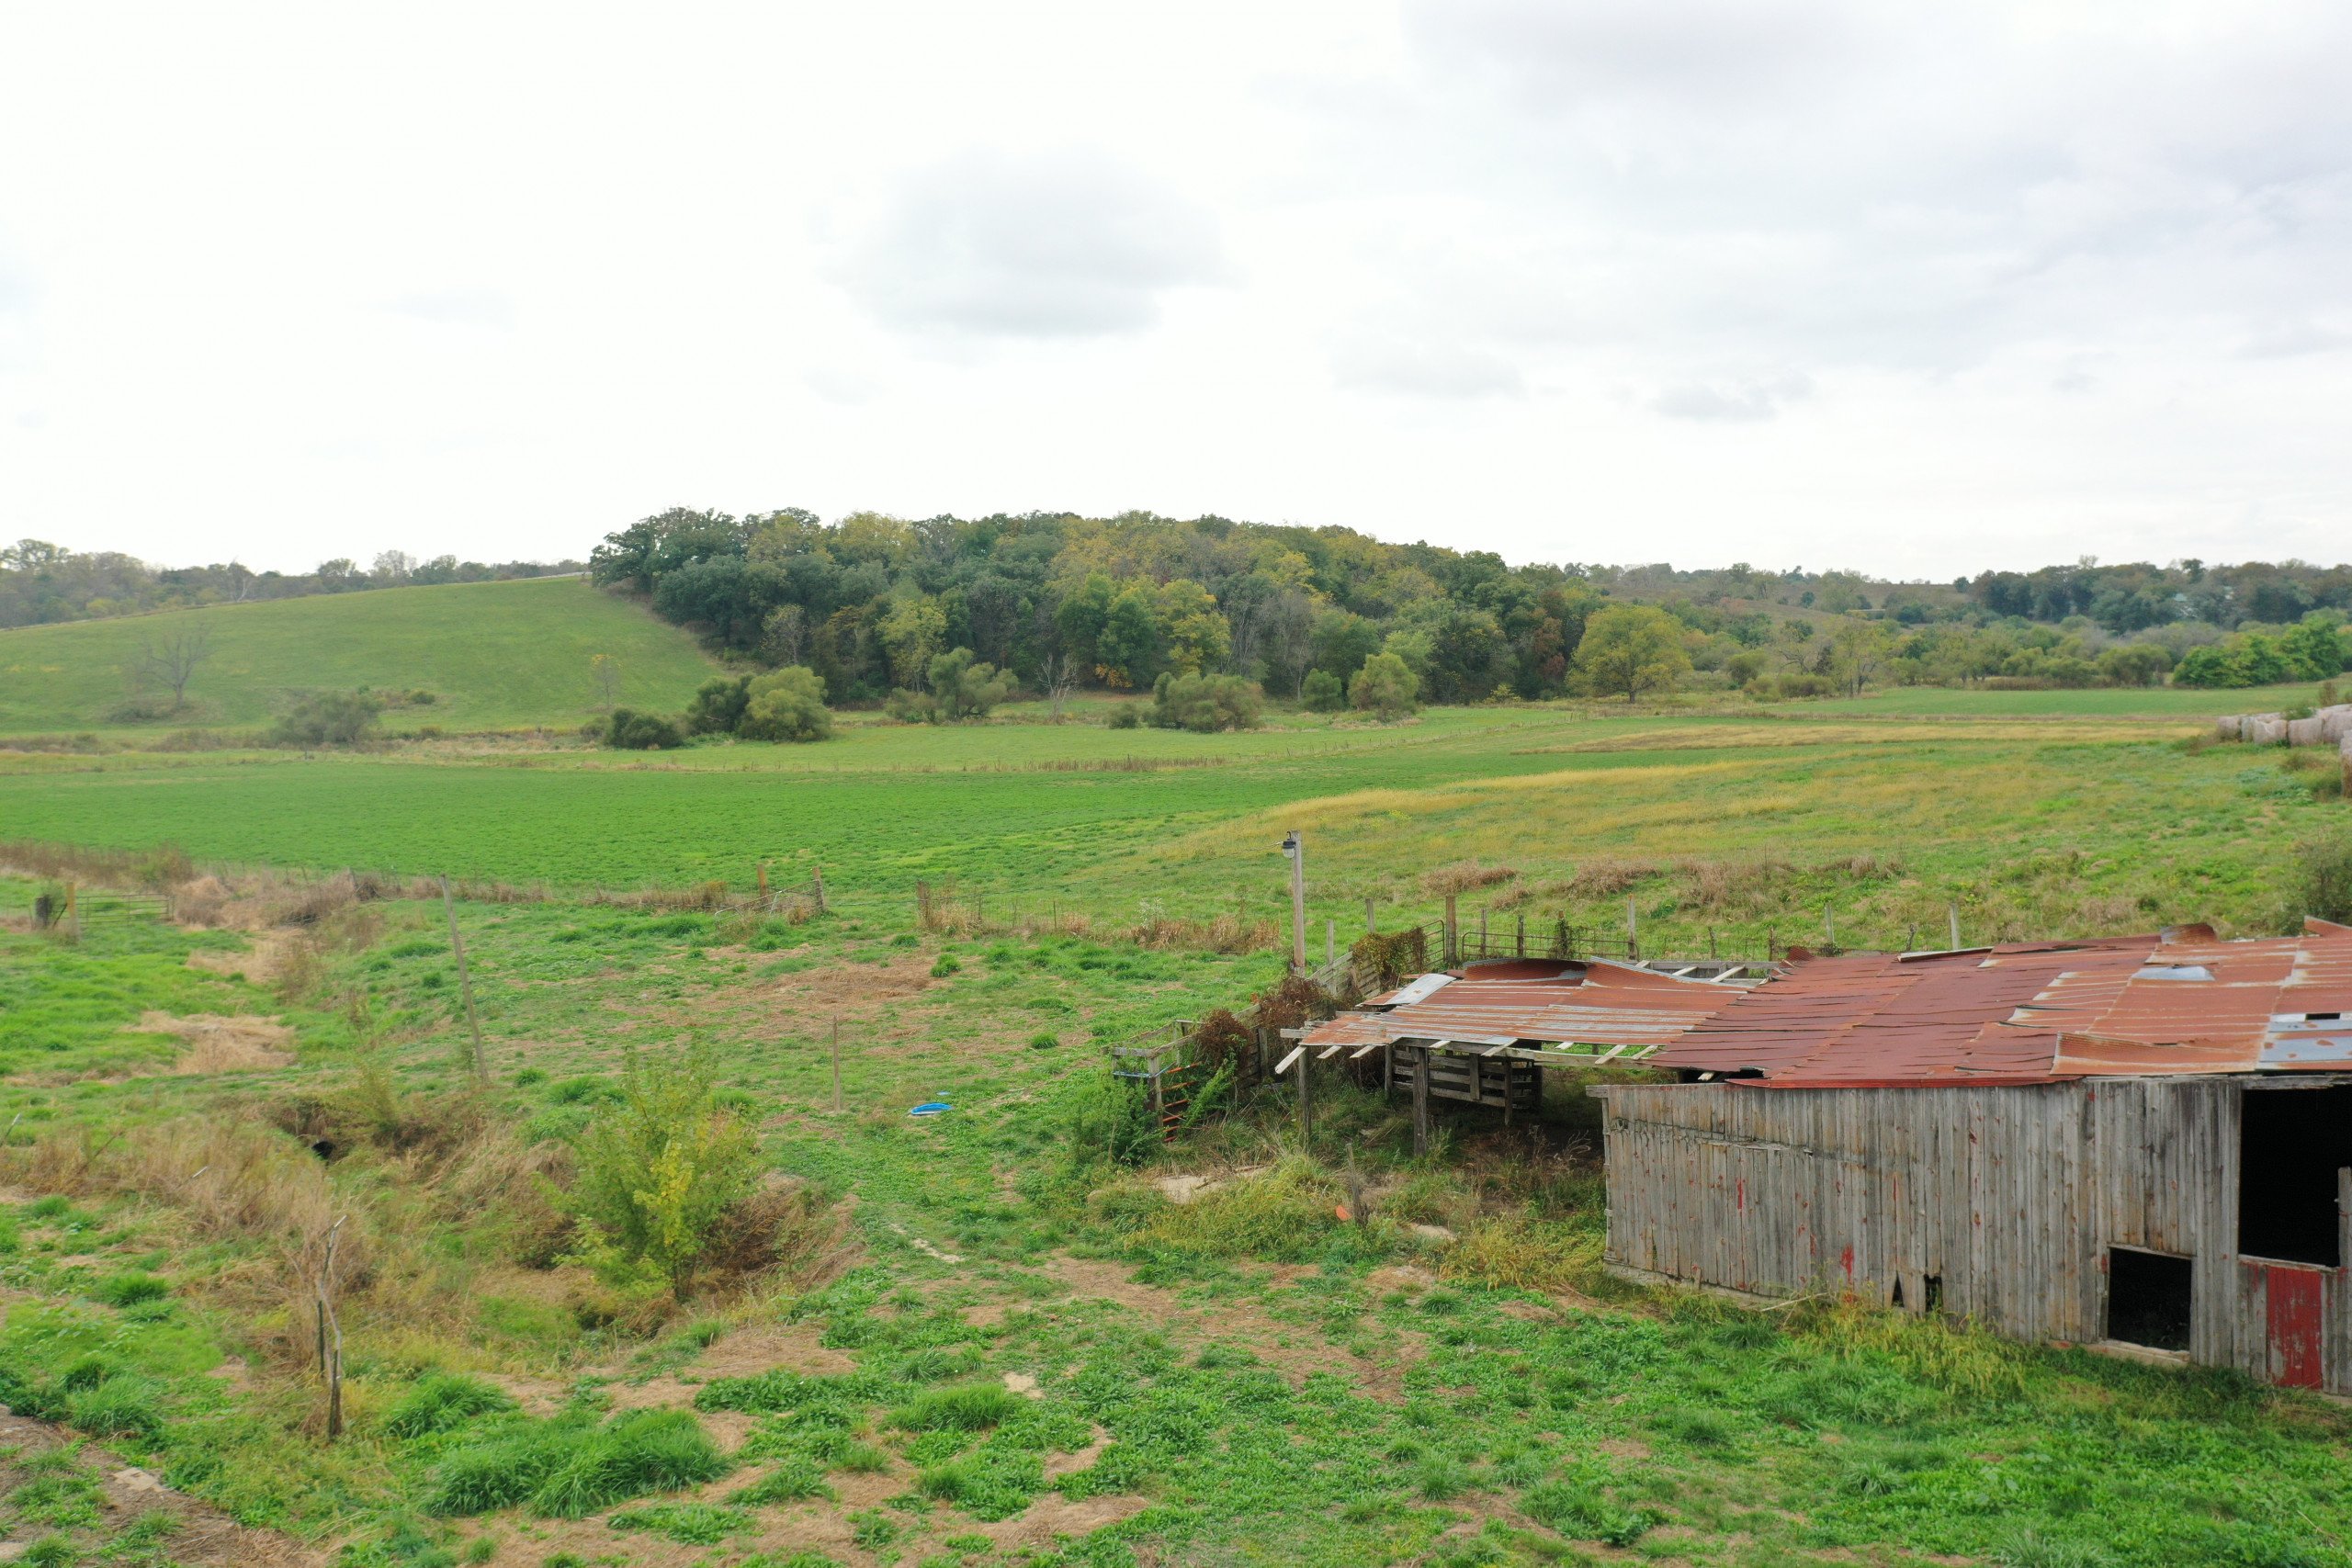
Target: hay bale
<point>2230,726</point>
<point>2334,723</point>
<point>2305,731</point>
<point>2266,729</point>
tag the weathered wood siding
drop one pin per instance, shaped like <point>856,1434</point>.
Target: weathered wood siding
<point>2008,1197</point>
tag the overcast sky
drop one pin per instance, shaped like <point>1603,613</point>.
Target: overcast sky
<point>1914,289</point>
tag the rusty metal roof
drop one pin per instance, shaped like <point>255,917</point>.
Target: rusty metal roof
<point>2181,1000</point>
<point>1597,1004</point>
<point>2039,1013</point>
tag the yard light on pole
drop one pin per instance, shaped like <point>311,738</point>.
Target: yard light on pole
<point>1295,849</point>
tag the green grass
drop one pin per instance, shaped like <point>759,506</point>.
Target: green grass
<point>495,655</point>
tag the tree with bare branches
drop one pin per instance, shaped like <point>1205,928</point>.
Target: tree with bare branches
<point>171,659</point>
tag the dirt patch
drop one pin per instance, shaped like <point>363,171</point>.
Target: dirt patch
<point>845,991</point>
<point>1293,1349</point>
<point>1053,1515</point>
<point>205,1536</point>
<point>215,1043</point>
<point>263,962</point>
<point>747,1352</point>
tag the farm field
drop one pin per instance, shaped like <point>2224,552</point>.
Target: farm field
<point>986,1342</point>
<point>1749,825</point>
<point>1029,1330</point>
<point>495,655</point>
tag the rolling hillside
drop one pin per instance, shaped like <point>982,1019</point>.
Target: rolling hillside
<point>495,655</point>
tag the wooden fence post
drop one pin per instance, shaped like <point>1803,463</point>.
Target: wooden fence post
<point>1452,936</point>
<point>1953,911</point>
<point>465,985</point>
<point>1305,1101</point>
<point>1422,1103</point>
<point>331,1348</point>
<point>1370,924</point>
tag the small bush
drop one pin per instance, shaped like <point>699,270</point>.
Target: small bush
<point>443,1403</point>
<point>945,966</point>
<point>2324,877</point>
<point>629,730</point>
<point>973,1407</point>
<point>1323,693</point>
<point>328,718</point>
<point>1205,704</point>
<point>1123,716</point>
<point>657,1173</point>
<point>718,706</point>
<point>785,705</point>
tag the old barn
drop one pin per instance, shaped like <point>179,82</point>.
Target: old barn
<point>2139,1141</point>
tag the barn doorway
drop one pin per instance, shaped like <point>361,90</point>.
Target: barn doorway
<point>2148,1298</point>
<point>2291,1142</point>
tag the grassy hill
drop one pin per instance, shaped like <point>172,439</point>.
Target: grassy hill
<point>495,655</point>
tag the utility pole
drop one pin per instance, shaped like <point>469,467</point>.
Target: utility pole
<point>1294,847</point>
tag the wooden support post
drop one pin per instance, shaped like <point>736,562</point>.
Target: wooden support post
<point>1829,925</point>
<point>1522,934</point>
<point>1305,1103</point>
<point>1158,1101</point>
<point>1632,929</point>
<point>817,881</point>
<point>1422,1103</point>
<point>837,1066</point>
<point>465,985</point>
<point>1370,922</point>
<point>1711,941</point>
<point>1387,1073</point>
<point>1482,932</point>
<point>1953,911</point>
<point>763,881</point>
<point>330,1334</point>
<point>1330,941</point>
<point>73,910</point>
<point>1452,936</point>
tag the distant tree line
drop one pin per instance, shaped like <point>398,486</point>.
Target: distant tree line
<point>42,582</point>
<point>1055,603</point>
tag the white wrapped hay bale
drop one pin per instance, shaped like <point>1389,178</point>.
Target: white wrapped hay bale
<point>2266,729</point>
<point>2305,731</point>
<point>2231,726</point>
<point>2334,723</point>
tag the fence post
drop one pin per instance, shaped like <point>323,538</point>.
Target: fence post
<point>465,985</point>
<point>1632,929</point>
<point>1953,911</point>
<point>1330,941</point>
<point>1422,1103</point>
<point>1370,924</point>
<point>1452,938</point>
<point>1305,1101</point>
<point>1522,934</point>
<point>1482,931</point>
<point>837,1066</point>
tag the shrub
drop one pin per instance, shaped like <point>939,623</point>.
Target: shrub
<point>1123,716</point>
<point>328,718</point>
<point>1323,691</point>
<point>944,967</point>
<point>2324,868</point>
<point>1205,704</point>
<point>659,1171</point>
<point>718,706</point>
<point>785,705</point>
<point>1386,687</point>
<point>629,730</point>
<point>443,1403</point>
<point>1043,1039</point>
<point>961,688</point>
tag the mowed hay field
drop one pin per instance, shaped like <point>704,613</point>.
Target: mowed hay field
<point>495,655</point>
<point>1747,824</point>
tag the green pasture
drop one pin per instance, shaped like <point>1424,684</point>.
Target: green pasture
<point>1755,826</point>
<point>1245,1380</point>
<point>495,655</point>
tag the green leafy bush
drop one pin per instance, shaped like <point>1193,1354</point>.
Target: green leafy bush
<point>960,687</point>
<point>1205,704</point>
<point>629,730</point>
<point>718,706</point>
<point>659,1170</point>
<point>1386,687</point>
<point>785,705</point>
<point>328,718</point>
<point>1323,691</point>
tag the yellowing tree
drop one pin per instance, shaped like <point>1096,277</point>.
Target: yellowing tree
<point>1631,649</point>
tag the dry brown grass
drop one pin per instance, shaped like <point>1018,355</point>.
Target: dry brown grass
<point>1463,876</point>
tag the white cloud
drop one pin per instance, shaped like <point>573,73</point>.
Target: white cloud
<point>1060,245</point>
<point>2006,282</point>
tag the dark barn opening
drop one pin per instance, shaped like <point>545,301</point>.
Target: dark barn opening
<point>2147,1298</point>
<point>2291,1144</point>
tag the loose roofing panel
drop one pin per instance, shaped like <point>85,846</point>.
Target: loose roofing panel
<point>1607,1004</point>
<point>2182,1002</point>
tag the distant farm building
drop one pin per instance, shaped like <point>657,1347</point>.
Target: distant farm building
<point>2143,1141</point>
